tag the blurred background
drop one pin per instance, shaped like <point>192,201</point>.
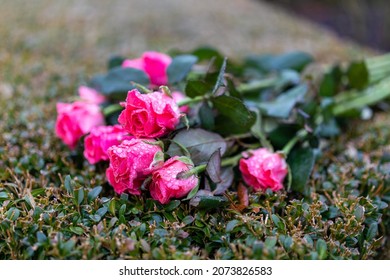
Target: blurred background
<point>364,21</point>
<point>91,30</point>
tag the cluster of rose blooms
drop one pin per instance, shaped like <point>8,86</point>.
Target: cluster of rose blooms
<point>136,160</point>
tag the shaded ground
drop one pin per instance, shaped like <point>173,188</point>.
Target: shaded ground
<point>48,48</point>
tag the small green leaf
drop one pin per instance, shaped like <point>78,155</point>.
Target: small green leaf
<point>93,194</point>
<point>76,230</point>
<point>111,206</point>
<point>270,242</point>
<point>80,196</point>
<point>3,195</point>
<point>209,202</point>
<point>68,184</point>
<point>180,67</point>
<point>231,225</point>
<point>41,237</point>
<point>372,232</point>
<point>192,193</point>
<point>227,177</point>
<point>196,88</point>
<point>282,106</point>
<point>321,248</point>
<point>213,167</point>
<point>301,162</point>
<point>13,214</point>
<point>172,205</point>
<point>358,75</point>
<point>188,220</point>
<point>220,79</point>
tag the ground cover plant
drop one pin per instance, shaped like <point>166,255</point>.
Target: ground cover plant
<point>327,201</point>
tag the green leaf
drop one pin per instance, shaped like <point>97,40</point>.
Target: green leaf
<point>330,82</point>
<point>321,248</point>
<point>192,193</point>
<point>301,162</point>
<point>3,195</point>
<point>115,61</point>
<point>208,53</point>
<point>41,237</point>
<point>328,85</point>
<point>293,60</point>
<point>208,201</point>
<point>206,116</point>
<point>80,196</point>
<point>188,220</point>
<point>358,75</point>
<point>76,230</point>
<point>372,232</point>
<point>213,167</point>
<point>270,242</point>
<point>196,88</point>
<point>180,67</point>
<point>231,225</point>
<point>117,82</point>
<point>93,194</point>
<point>281,107</point>
<point>13,214</point>
<point>68,184</point>
<point>172,205</point>
<point>234,116</point>
<point>220,80</point>
<point>201,144</point>
<point>111,206</point>
<point>227,176</point>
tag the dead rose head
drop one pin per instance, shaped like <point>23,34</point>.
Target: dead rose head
<point>165,183</point>
<point>262,169</point>
<point>76,119</point>
<point>154,64</point>
<point>100,139</point>
<point>131,162</point>
<point>149,115</point>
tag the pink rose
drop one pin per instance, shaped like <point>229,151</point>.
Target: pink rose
<point>165,185</point>
<point>91,95</point>
<point>100,139</point>
<point>130,163</point>
<point>154,64</point>
<point>149,115</point>
<point>76,119</point>
<point>178,96</point>
<point>262,169</point>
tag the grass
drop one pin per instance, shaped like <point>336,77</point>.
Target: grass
<point>53,205</point>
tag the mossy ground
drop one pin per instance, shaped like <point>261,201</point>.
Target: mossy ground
<point>48,202</point>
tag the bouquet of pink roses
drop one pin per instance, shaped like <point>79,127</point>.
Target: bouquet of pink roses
<point>194,126</point>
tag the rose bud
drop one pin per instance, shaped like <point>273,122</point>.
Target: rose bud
<point>166,184</point>
<point>154,64</point>
<point>91,95</point>
<point>76,119</point>
<point>100,139</point>
<point>149,115</point>
<point>262,169</point>
<point>131,162</point>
